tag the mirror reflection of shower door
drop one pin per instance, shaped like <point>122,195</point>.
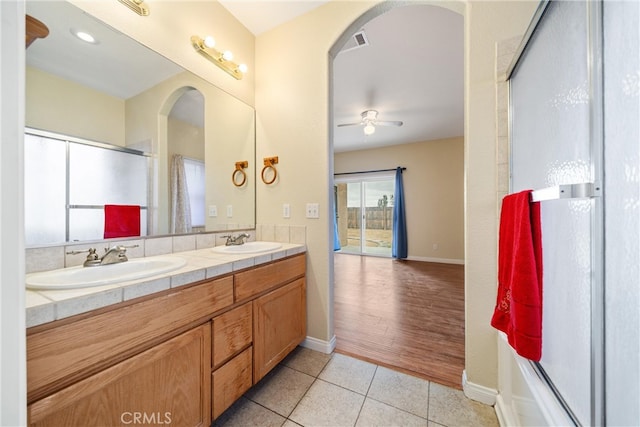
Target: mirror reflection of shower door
<point>365,207</point>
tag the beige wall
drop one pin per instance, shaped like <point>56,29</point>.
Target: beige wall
<point>434,192</point>
<point>228,137</point>
<point>185,139</point>
<point>487,23</point>
<point>292,101</point>
<point>65,107</point>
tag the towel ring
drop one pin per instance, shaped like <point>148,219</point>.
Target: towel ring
<point>239,176</point>
<point>268,164</point>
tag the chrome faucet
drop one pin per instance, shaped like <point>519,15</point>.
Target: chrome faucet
<point>111,255</point>
<point>236,240</point>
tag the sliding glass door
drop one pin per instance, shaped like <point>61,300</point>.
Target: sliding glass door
<point>364,214</point>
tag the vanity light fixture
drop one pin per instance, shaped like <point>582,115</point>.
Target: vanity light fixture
<point>138,6</point>
<point>224,60</point>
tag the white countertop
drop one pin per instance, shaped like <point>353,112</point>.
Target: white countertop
<point>47,306</point>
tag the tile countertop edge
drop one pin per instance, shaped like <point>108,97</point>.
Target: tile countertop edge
<point>46,306</point>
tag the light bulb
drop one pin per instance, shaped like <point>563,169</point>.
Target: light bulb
<point>84,36</point>
<point>243,68</point>
<point>209,41</point>
<point>227,55</point>
<point>369,129</point>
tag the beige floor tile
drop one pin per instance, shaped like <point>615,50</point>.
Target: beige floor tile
<point>281,389</point>
<point>411,394</point>
<point>378,414</point>
<point>350,373</point>
<point>248,414</point>
<point>308,361</point>
<point>327,404</point>
<point>450,407</point>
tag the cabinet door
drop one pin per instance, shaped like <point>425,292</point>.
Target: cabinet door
<point>167,384</point>
<point>279,325</point>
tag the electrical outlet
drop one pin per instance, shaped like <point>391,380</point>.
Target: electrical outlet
<point>313,210</point>
<point>213,211</point>
<point>229,211</point>
<point>435,246</point>
<point>286,211</point>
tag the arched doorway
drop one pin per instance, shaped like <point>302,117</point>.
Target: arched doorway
<point>372,316</point>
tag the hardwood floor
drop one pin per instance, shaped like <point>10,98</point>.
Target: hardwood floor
<point>407,315</point>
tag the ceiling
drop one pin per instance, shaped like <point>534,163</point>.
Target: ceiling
<point>411,70</point>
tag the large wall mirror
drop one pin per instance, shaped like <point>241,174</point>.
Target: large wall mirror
<point>149,126</point>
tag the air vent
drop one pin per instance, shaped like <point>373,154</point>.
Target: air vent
<point>358,40</point>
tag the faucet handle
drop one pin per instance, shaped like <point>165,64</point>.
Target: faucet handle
<point>93,255</point>
<point>122,248</point>
<point>76,252</point>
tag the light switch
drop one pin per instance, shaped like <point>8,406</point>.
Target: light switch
<point>313,210</point>
<point>213,211</point>
<point>229,211</point>
<point>286,211</point>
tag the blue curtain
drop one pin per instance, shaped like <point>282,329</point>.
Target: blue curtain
<point>399,239</point>
<point>336,237</point>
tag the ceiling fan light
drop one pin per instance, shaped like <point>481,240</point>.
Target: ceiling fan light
<point>369,129</point>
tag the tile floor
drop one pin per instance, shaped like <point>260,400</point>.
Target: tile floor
<point>314,389</point>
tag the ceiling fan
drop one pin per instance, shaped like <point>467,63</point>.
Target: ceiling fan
<point>370,121</point>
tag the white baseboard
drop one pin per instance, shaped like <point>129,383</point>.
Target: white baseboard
<point>439,260</point>
<point>322,346</point>
<point>504,413</point>
<point>478,392</point>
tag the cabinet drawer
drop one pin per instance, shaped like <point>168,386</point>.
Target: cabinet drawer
<point>230,381</point>
<point>260,279</point>
<point>232,332</point>
<point>64,354</point>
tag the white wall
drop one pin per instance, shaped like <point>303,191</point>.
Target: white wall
<point>13,379</point>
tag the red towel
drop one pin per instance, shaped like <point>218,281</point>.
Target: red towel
<point>121,221</point>
<point>518,311</point>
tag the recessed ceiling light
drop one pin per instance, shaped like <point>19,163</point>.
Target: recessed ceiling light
<point>84,36</point>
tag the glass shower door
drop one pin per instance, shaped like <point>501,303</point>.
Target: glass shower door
<point>553,144</point>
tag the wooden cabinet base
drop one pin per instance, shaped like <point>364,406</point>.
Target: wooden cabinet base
<point>168,384</point>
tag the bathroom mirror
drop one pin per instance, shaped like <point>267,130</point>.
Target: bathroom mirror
<point>120,94</point>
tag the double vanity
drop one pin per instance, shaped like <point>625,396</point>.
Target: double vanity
<point>176,347</point>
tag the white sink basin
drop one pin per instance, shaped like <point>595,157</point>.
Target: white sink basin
<point>248,248</point>
<point>84,277</point>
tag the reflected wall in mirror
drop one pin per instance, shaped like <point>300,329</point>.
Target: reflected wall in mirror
<point>119,92</point>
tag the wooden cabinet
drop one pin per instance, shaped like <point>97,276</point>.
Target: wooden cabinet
<point>167,384</point>
<point>279,324</point>
<point>179,357</point>
<point>64,353</point>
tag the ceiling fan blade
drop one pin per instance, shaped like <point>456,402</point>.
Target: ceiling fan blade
<point>349,124</point>
<point>388,123</point>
